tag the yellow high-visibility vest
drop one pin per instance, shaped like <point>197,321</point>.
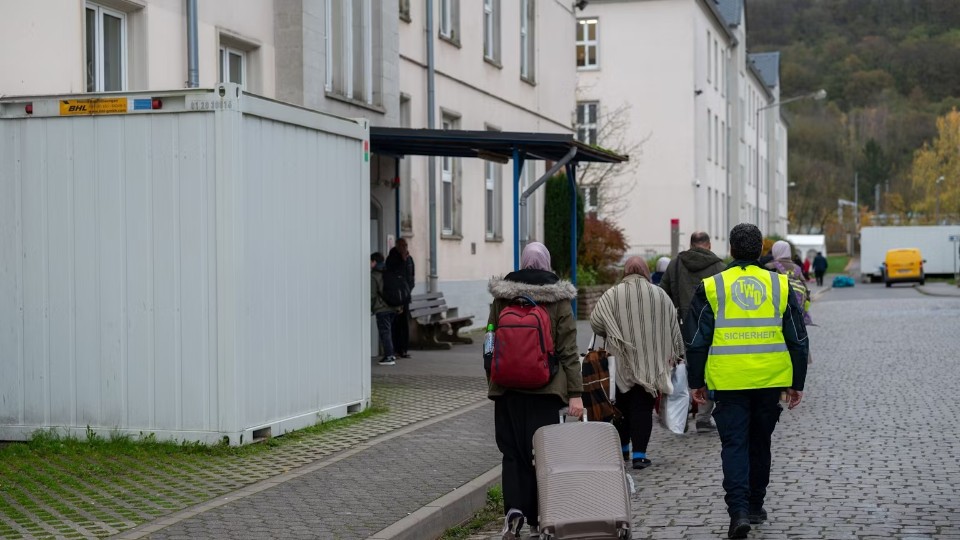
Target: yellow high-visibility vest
<point>748,349</point>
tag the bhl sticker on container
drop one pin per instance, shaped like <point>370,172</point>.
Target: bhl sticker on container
<point>74,107</point>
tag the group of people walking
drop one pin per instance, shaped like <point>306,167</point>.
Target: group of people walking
<point>740,328</point>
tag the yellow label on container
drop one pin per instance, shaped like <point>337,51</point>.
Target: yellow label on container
<point>74,107</point>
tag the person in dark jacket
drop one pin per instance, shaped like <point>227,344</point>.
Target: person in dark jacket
<point>384,313</point>
<point>747,358</point>
<point>680,280</point>
<point>401,326</point>
<point>519,413</point>
<point>819,267</point>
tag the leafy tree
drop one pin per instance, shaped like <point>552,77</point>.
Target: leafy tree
<point>602,246</point>
<point>874,169</point>
<point>556,222</point>
<point>941,158</point>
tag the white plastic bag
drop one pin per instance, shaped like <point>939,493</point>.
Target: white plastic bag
<point>675,406</point>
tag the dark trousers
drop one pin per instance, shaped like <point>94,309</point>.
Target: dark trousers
<point>401,331</point>
<point>384,322</point>
<point>516,417</point>
<point>745,421</point>
<point>819,276</point>
<point>637,408</point>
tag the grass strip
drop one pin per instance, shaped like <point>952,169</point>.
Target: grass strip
<point>491,512</point>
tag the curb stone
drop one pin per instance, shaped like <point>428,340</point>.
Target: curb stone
<point>448,511</point>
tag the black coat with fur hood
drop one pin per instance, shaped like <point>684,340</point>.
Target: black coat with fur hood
<point>554,295</point>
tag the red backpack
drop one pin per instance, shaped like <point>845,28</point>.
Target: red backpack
<point>523,353</point>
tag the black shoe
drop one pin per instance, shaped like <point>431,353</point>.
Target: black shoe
<point>757,517</point>
<point>404,355</point>
<point>641,463</point>
<point>739,527</point>
<point>626,455</point>
<point>512,523</point>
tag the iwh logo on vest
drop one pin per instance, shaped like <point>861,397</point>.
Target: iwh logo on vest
<point>749,293</point>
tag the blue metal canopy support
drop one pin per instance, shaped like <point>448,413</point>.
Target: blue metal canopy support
<point>518,161</point>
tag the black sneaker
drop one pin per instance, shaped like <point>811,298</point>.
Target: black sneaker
<point>512,523</point>
<point>388,361</point>
<point>758,517</point>
<point>641,463</point>
<point>705,427</point>
<point>739,527</point>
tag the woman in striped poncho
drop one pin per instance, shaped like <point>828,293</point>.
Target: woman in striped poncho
<point>639,323</point>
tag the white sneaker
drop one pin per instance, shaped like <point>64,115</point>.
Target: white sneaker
<point>388,361</point>
<point>512,523</point>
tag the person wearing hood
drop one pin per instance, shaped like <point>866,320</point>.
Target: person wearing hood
<point>519,413</point>
<point>783,263</point>
<point>662,264</point>
<point>383,312</point>
<point>639,323</point>
<point>681,279</point>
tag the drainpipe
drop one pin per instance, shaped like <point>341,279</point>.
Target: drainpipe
<point>431,161</point>
<point>193,72</point>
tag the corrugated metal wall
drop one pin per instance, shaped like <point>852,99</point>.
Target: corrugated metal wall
<point>114,310</point>
<point>106,296</point>
<point>298,331</point>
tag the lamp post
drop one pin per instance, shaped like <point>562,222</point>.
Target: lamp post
<point>937,214</point>
<point>818,95</point>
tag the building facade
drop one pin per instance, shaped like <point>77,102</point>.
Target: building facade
<point>500,65</point>
<point>676,81</point>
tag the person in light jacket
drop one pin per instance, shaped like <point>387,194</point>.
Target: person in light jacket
<point>519,413</point>
<point>639,322</point>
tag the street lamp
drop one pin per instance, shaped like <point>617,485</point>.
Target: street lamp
<point>818,95</point>
<point>937,214</point>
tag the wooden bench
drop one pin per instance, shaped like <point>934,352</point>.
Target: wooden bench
<point>433,324</point>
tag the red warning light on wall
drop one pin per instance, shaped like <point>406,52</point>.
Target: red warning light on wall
<point>674,222</point>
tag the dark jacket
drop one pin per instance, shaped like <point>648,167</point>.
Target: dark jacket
<point>819,264</point>
<point>684,274</point>
<point>701,318</point>
<point>377,303</point>
<point>409,272</point>
<point>554,295</point>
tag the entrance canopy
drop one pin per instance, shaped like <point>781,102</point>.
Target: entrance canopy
<point>501,147</point>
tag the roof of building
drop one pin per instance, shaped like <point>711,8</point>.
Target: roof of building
<point>492,145</point>
<point>731,10</point>
<point>768,65</point>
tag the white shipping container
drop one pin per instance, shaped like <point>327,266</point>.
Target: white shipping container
<point>198,271</point>
<point>933,241</point>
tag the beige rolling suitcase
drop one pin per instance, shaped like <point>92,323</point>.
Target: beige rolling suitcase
<point>582,486</point>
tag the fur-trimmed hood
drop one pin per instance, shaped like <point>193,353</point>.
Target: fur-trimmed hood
<point>501,287</point>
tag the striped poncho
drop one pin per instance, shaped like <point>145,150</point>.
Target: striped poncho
<point>640,325</point>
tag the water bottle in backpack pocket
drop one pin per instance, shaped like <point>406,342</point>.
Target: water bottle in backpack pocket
<point>523,352</point>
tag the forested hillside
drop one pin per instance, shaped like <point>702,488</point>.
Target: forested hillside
<point>891,69</point>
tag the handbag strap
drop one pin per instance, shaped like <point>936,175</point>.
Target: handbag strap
<point>593,342</point>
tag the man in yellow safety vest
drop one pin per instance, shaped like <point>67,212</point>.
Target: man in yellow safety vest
<point>749,345</point>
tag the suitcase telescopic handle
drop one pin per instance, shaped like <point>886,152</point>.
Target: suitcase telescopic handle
<point>565,410</point>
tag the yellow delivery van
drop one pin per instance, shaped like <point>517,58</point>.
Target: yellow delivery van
<point>903,265</point>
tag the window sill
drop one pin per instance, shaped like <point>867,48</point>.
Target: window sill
<point>588,68</point>
<point>350,101</point>
<point>494,239</point>
<point>405,17</point>
<point>449,39</point>
<point>492,62</point>
<point>451,236</point>
<point>529,80</point>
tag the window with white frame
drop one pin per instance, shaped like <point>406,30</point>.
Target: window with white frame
<point>353,41</point>
<point>105,49</point>
<point>587,122</point>
<point>530,176</point>
<point>491,30</point>
<point>450,20</point>
<point>449,167</point>
<point>709,136</point>
<point>233,65</point>
<point>716,139</point>
<point>716,64</point>
<point>709,57</point>
<point>405,10</point>
<point>591,199</point>
<point>406,171</point>
<point>493,178</point>
<point>587,44</point>
<point>528,48</point>
<point>723,144</point>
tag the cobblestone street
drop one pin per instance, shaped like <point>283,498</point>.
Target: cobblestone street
<point>872,452</point>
